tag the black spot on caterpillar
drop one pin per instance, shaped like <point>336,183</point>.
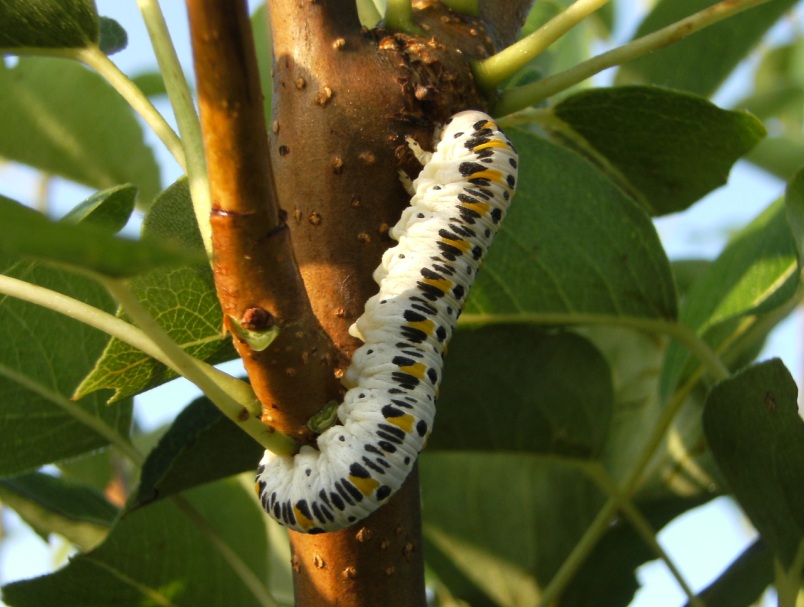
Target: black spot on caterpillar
<point>459,199</point>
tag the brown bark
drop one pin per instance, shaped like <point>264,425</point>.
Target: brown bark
<point>255,270</point>
<point>344,100</point>
<point>376,563</point>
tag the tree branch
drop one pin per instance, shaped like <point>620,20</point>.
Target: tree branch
<point>515,99</point>
<point>256,275</point>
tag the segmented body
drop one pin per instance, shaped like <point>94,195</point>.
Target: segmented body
<point>461,196</point>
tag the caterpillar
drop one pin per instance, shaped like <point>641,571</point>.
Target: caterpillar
<point>459,200</point>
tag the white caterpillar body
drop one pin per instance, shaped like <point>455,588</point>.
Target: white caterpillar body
<point>460,198</point>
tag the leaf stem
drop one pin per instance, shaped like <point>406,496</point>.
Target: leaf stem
<point>186,117</point>
<point>232,558</point>
<point>499,67</point>
<point>519,98</point>
<point>122,330</point>
<point>642,527</point>
<point>579,553</point>
<point>82,312</point>
<point>96,424</point>
<point>788,583</point>
<point>399,17</point>
<point>188,366</point>
<point>236,394</point>
<point>94,58</point>
<point>669,412</point>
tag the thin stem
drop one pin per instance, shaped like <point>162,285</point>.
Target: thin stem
<point>122,330</point>
<point>617,499</point>
<point>42,192</point>
<point>519,98</point>
<point>96,424</point>
<point>492,71</point>
<point>709,360</point>
<point>223,389</point>
<point>788,583</point>
<point>95,58</point>
<point>399,17</point>
<point>82,312</point>
<point>368,13</point>
<point>643,528</point>
<point>237,564</point>
<point>579,553</point>
<point>186,117</point>
<point>675,330</point>
<point>656,437</point>
<point>187,366</point>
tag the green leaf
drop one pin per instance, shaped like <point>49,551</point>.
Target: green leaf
<point>687,272</point>
<point>667,149</point>
<point>780,156</point>
<point>522,517</point>
<point>64,119</point>
<point>52,505</point>
<point>778,99</point>
<point>113,38</point>
<point>722,46</point>
<point>159,556</point>
<point>779,89</point>
<point>681,467</point>
<point>110,208</point>
<point>182,299</point>
<point>776,102</point>
<point>794,206</point>
<point>482,551</point>
<point>189,454</point>
<point>150,82</point>
<point>48,24</point>
<point>743,582</point>
<point>556,389</point>
<point>55,352</point>
<point>97,470</point>
<point>610,569</point>
<point>754,277</point>
<point>754,430</point>
<point>28,233</point>
<point>781,64</point>
<point>572,243</point>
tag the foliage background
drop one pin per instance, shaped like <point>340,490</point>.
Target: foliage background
<point>702,543</point>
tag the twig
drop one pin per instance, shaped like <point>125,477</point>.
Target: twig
<point>643,528</point>
<point>513,100</point>
<point>97,60</point>
<point>122,330</point>
<point>501,66</point>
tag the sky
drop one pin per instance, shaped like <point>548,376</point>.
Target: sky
<point>702,543</point>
